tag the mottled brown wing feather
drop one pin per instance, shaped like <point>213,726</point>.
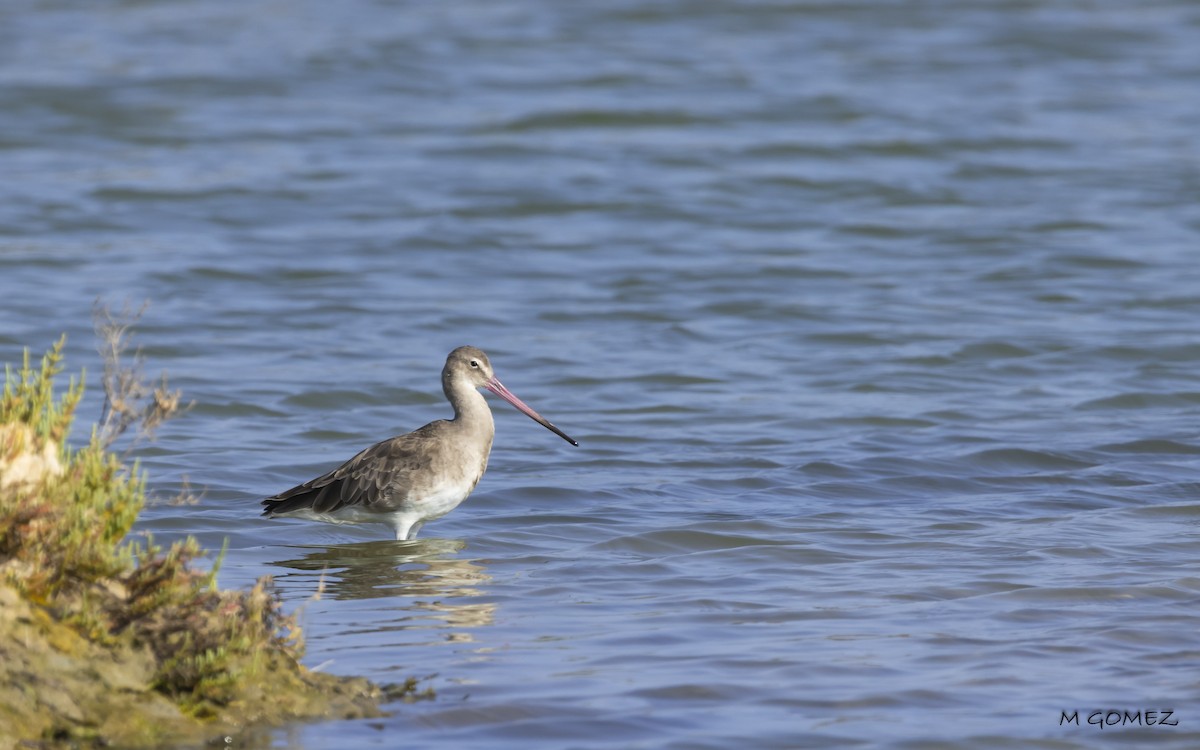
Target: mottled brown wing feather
<point>369,479</point>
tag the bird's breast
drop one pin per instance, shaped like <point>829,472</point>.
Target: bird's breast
<point>445,482</point>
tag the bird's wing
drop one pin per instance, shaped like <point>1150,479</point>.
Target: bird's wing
<point>369,479</point>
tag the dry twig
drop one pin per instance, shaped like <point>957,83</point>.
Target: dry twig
<point>128,398</point>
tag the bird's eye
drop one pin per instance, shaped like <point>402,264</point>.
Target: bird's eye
<point>474,363</point>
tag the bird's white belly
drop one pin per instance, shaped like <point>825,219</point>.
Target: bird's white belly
<point>431,504</point>
<point>437,501</point>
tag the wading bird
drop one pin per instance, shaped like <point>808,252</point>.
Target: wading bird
<point>411,479</point>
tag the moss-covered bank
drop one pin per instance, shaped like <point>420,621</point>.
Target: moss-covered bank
<point>106,641</point>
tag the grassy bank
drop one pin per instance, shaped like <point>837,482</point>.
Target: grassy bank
<point>112,641</point>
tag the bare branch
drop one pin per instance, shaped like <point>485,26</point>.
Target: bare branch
<point>128,398</point>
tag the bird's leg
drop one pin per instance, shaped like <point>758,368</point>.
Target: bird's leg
<point>408,530</point>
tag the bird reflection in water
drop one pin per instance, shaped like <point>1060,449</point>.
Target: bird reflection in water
<point>428,572</point>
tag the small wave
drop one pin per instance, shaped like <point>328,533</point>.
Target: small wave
<point>1023,459</point>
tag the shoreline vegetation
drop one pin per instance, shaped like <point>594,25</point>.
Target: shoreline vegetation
<point>112,641</point>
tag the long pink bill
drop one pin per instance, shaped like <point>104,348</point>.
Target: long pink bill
<point>496,387</point>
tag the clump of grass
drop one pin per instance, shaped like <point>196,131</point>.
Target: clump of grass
<point>208,643</point>
<point>29,396</point>
<point>65,514</point>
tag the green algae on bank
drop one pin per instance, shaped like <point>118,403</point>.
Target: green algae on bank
<point>106,641</point>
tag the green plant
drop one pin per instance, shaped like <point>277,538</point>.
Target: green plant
<point>65,515</point>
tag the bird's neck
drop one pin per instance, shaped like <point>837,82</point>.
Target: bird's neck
<point>470,407</point>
